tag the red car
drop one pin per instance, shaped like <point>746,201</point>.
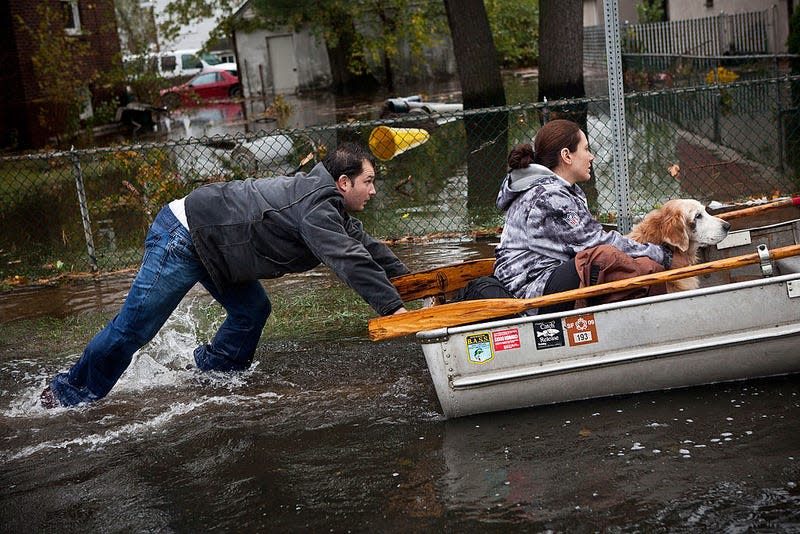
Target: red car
<point>207,85</point>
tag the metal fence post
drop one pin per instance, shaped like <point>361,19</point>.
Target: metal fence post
<point>616,99</point>
<point>779,124</point>
<point>87,225</point>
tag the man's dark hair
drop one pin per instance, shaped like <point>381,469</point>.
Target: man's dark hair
<point>347,159</point>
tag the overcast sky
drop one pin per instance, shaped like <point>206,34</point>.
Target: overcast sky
<point>192,37</point>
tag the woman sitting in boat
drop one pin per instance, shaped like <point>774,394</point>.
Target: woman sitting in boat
<point>548,221</point>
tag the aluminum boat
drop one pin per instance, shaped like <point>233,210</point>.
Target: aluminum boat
<point>738,325</point>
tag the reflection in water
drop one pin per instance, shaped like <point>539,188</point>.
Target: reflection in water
<point>305,110</point>
<point>65,299</point>
<point>648,461</point>
<point>207,120</point>
<point>254,117</point>
<point>319,108</point>
<point>107,292</point>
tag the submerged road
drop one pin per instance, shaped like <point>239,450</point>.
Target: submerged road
<point>346,435</point>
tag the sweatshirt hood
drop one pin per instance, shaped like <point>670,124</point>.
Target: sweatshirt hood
<point>519,181</point>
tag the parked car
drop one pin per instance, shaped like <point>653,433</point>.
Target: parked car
<point>174,63</point>
<point>212,85</point>
<point>214,62</point>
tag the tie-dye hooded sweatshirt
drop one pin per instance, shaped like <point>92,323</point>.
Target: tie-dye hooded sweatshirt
<point>547,223</point>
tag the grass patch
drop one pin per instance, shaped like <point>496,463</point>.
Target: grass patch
<point>320,311</point>
<point>49,335</point>
<point>336,312</point>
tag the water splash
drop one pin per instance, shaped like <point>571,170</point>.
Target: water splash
<point>141,428</point>
<point>167,361</point>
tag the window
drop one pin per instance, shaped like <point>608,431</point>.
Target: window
<point>152,64</point>
<point>168,63</point>
<point>190,61</point>
<point>87,111</point>
<point>206,79</point>
<point>72,16</point>
<point>709,3</point>
<point>211,59</point>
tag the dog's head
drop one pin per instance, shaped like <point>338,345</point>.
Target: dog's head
<point>685,224</point>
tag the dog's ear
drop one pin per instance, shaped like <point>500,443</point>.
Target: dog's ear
<point>673,227</point>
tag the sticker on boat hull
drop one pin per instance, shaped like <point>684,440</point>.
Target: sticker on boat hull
<point>479,348</point>
<point>549,334</point>
<point>581,329</point>
<point>506,339</point>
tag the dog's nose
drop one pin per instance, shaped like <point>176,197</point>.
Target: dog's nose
<point>726,226</point>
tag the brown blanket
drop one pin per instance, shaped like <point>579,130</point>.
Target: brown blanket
<point>605,263</point>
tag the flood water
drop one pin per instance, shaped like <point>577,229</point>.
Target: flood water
<point>320,108</point>
<point>346,435</point>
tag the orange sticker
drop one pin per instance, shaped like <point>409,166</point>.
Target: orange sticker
<point>581,329</point>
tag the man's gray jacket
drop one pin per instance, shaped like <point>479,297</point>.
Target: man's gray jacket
<point>264,228</point>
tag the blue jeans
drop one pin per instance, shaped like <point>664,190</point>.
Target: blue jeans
<point>170,268</point>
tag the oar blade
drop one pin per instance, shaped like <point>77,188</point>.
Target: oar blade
<point>758,209</point>
<point>453,314</point>
<point>441,280</point>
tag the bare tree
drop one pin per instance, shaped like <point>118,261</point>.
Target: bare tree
<point>561,65</point>
<point>481,86</point>
<point>560,49</point>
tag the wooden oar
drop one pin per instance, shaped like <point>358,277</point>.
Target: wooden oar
<point>442,280</point>
<point>472,311</point>
<point>755,210</point>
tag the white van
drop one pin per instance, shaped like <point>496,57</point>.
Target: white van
<point>214,62</point>
<point>174,63</point>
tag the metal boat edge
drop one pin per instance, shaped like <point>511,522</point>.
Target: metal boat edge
<point>714,334</point>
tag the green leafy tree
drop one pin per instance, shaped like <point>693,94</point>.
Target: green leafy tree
<point>650,11</point>
<point>333,21</point>
<point>364,39</point>
<point>136,25</point>
<point>515,29</point>
<point>181,13</point>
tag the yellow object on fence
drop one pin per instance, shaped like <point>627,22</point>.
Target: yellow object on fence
<point>721,75</point>
<point>386,142</point>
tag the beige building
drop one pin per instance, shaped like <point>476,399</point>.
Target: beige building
<point>780,10</point>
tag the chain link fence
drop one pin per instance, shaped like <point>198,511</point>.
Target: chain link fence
<point>439,173</point>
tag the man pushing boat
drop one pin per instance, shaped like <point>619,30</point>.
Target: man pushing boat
<point>228,236</point>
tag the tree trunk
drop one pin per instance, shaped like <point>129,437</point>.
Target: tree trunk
<point>792,124</point>
<point>389,27</point>
<point>560,49</point>
<point>344,81</point>
<point>481,86</point>
<point>561,66</point>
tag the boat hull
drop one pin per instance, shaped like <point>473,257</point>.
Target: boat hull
<point>715,334</point>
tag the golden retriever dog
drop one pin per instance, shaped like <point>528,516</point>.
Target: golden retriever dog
<point>684,225</point>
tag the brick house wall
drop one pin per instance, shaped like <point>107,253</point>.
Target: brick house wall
<point>20,95</point>
<point>13,124</point>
